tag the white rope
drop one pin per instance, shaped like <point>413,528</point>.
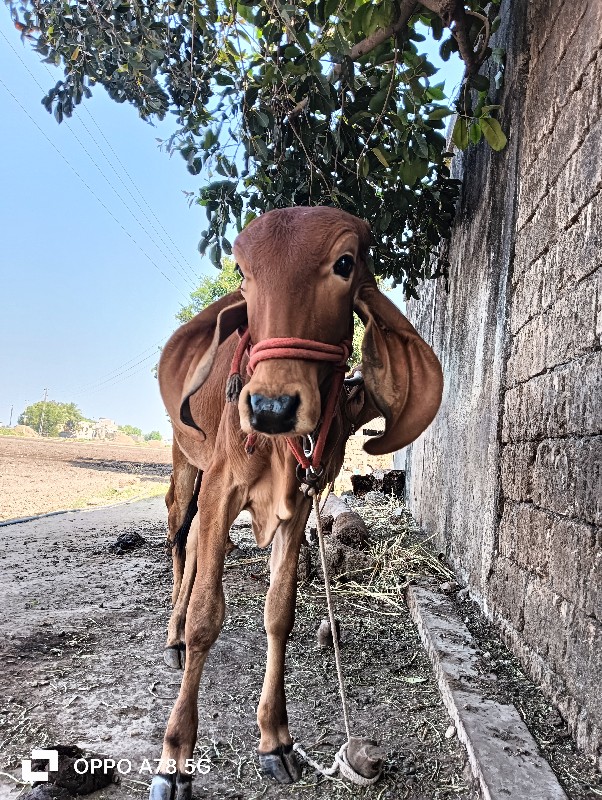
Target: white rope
<point>341,762</point>
<point>333,628</point>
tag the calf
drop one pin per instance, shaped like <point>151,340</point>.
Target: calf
<point>288,331</point>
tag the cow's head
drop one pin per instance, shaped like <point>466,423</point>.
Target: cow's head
<point>303,272</point>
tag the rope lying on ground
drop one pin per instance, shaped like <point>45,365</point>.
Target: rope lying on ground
<point>341,764</point>
<point>362,747</point>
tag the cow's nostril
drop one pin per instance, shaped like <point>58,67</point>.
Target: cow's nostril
<point>273,414</point>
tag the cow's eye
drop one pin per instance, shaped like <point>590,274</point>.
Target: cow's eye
<point>238,269</point>
<point>343,266</point>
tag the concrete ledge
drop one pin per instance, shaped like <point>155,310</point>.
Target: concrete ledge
<point>503,755</point>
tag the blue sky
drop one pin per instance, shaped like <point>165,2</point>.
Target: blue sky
<point>83,309</point>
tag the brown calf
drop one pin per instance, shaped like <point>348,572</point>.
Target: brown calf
<point>303,274</point>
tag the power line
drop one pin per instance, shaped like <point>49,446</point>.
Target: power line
<point>190,278</point>
<point>121,376</point>
<point>92,192</point>
<point>144,355</point>
<point>189,274</point>
<point>144,200</point>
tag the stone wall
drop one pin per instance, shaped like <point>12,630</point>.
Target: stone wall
<point>508,476</point>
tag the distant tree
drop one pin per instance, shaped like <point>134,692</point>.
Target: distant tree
<point>130,430</point>
<point>51,418</point>
<point>211,288</point>
<point>153,436</point>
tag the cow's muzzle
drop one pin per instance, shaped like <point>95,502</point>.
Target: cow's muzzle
<point>273,414</point>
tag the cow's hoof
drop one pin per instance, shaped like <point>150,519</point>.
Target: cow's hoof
<point>171,787</point>
<point>281,764</point>
<point>175,656</point>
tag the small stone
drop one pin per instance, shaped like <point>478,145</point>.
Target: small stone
<point>450,732</point>
<point>462,595</point>
<point>448,586</point>
<point>375,497</point>
<point>325,633</point>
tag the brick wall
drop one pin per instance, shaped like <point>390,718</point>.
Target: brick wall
<point>508,477</point>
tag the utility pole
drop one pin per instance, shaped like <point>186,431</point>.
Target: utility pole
<point>10,422</point>
<point>41,426</point>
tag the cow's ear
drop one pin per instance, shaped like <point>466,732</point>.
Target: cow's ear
<point>188,356</point>
<point>402,375</point>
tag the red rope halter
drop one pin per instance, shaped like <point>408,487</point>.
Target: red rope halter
<point>305,350</point>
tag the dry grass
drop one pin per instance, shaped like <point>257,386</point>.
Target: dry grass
<point>395,555</point>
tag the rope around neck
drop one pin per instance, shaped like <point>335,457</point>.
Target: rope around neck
<point>341,762</point>
<point>292,348</point>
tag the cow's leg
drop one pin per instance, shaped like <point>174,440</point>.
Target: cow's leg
<point>276,755</point>
<point>203,623</point>
<point>174,654</point>
<point>178,501</point>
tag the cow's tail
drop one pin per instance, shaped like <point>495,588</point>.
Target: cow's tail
<point>181,536</point>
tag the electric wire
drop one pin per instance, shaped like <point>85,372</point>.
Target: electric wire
<point>183,258</point>
<point>135,369</point>
<point>145,355</point>
<point>92,192</point>
<point>190,278</point>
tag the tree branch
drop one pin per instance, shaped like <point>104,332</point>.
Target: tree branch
<point>460,32</point>
<point>453,12</point>
<point>382,34</point>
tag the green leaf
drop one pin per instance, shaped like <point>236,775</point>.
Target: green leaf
<point>460,134</point>
<point>486,109</point>
<point>440,113</point>
<point>446,49</point>
<point>330,6</point>
<point>493,132</point>
<point>261,149</point>
<point>378,101</point>
<point>380,155</point>
<point>475,132</point>
<point>436,92</point>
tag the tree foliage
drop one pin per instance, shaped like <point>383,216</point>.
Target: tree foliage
<point>291,102</point>
<point>153,436</point>
<point>130,430</point>
<point>210,289</point>
<point>51,418</point>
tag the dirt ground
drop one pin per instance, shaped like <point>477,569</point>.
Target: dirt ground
<point>42,475</point>
<point>83,630</point>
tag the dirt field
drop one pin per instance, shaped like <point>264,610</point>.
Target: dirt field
<point>42,475</point>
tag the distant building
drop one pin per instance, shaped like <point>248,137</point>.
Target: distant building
<point>104,429</point>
